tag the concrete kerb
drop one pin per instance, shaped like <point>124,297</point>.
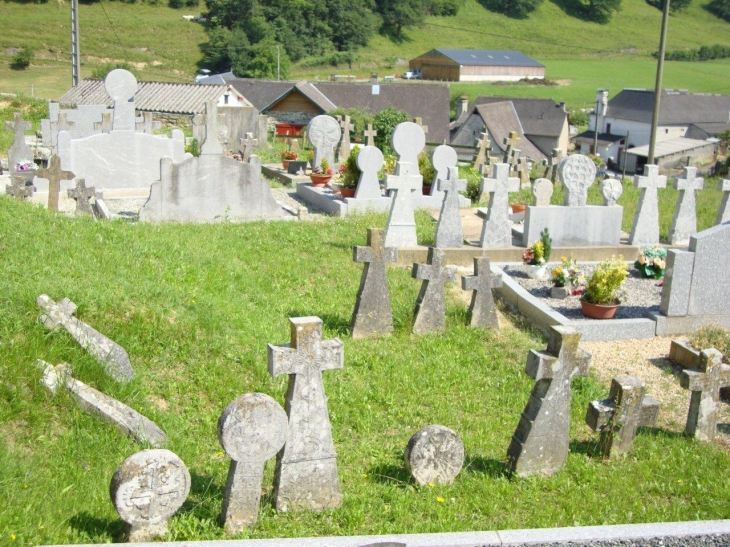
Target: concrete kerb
<point>535,536</point>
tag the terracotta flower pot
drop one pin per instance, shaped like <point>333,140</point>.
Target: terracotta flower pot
<point>598,311</point>
<point>518,208</point>
<point>426,189</point>
<point>285,163</point>
<point>319,180</point>
<point>348,192</point>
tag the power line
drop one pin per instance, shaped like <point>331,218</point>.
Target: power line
<point>111,24</point>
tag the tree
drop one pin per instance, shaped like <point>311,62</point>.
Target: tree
<point>260,61</point>
<point>216,55</point>
<point>22,59</point>
<point>351,22</point>
<point>400,14</point>
<point>601,11</point>
<point>676,6</point>
<point>721,8</point>
<point>518,9</point>
<point>384,123</point>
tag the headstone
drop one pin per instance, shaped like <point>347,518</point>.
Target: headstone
<point>482,311</point>
<point>705,383</point>
<point>64,124</point>
<point>212,144</point>
<point>19,188</point>
<point>147,489</point>
<point>434,455</point>
<point>55,175</point>
<point>293,146</point>
<point>370,135</point>
<point>430,314</point>
<point>147,124</point>
<point>121,85</point>
<point>82,195</point>
<point>306,469</point>
<point>252,429</point>
<point>248,145</point>
<point>542,191</point>
<point>481,156</point>
<point>497,229</point>
<point>645,230</point>
<point>373,315</point>
<point>443,158</point>
<point>723,214</point>
<point>523,168</point>
<point>262,132</point>
<point>324,133</point>
<point>551,164</point>
<point>408,139</point>
<point>82,121</point>
<point>449,231</point>
<point>617,418</point>
<point>344,146</point>
<point>106,124</point>
<point>19,150</point>
<point>513,160</point>
<point>540,442</point>
<point>100,208</point>
<point>400,230</point>
<point>128,420</point>
<point>684,222</point>
<point>577,173</point>
<point>509,144</point>
<point>611,189</point>
<point>111,355</point>
<point>369,161</point>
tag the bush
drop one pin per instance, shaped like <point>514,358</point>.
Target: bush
<point>100,72</point>
<point>426,168</point>
<point>384,123</point>
<point>350,174</point>
<point>705,53</point>
<point>721,8</point>
<point>358,118</point>
<point>22,59</point>
<point>603,286</point>
<point>712,335</point>
<point>578,117</point>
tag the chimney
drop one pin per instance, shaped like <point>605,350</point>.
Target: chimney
<point>462,105</point>
<point>602,102</point>
<point>374,78</point>
<point>562,107</point>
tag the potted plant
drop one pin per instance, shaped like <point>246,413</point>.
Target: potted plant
<point>286,157</point>
<point>322,174</point>
<point>651,261</point>
<point>349,174</point>
<point>602,294</point>
<point>567,279</point>
<point>536,257</point>
<point>520,200</point>
<point>428,172</point>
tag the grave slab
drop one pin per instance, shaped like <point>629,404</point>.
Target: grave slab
<point>434,455</point>
<point>579,226</point>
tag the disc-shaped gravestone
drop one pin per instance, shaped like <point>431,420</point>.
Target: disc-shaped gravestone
<point>369,160</point>
<point>442,158</point>
<point>324,133</point>
<point>252,428</point>
<point>577,172</point>
<point>408,140</point>
<point>120,85</point>
<point>435,455</point>
<point>147,489</point>
<point>611,189</point>
<point>542,191</point>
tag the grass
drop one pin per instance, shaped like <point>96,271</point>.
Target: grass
<point>195,307</point>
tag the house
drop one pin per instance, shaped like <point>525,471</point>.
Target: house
<point>541,124</point>
<point>673,154</point>
<point>476,65</point>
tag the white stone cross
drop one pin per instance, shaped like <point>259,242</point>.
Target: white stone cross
<point>496,229</point>
<point>400,231</point>
<point>449,232</point>
<point>248,144</point>
<point>430,314</point>
<point>705,383</point>
<point>408,140</point>
<point>369,160</point>
<point>443,158</point>
<point>370,135</point>
<point>121,86</point>
<point>684,222</point>
<point>723,214</point>
<point>482,312</point>
<point>645,229</point>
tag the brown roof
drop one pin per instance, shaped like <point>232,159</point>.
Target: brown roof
<point>501,118</point>
<point>539,117</point>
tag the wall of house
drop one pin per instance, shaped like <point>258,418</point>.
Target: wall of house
<point>293,117</point>
<point>674,162</point>
<point>640,132</point>
<point>546,144</point>
<point>497,73</point>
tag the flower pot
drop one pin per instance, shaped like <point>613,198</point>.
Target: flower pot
<point>285,163</point>
<point>535,271</point>
<point>319,180</point>
<point>598,311</point>
<point>348,192</point>
<point>426,189</point>
<point>518,208</point>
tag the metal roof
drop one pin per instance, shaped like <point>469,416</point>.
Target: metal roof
<point>488,57</point>
<point>675,108</point>
<point>669,147</point>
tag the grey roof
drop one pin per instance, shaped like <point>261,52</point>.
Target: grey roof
<point>539,117</point>
<point>221,78</point>
<point>149,97</point>
<point>713,128</point>
<point>669,147</point>
<point>261,93</point>
<point>676,108</point>
<point>488,57</point>
<point>316,96</point>
<point>603,138</point>
<point>501,118</point>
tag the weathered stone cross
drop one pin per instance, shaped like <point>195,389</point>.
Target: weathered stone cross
<point>106,124</point>
<point>211,145</point>
<point>482,311</point>
<point>551,164</point>
<point>449,231</point>
<point>83,196</point>
<point>481,156</point>
<point>63,124</point>
<point>373,314</point>
<point>344,150</point>
<point>55,175</point>
<point>509,144</point>
<point>400,230</point>
<point>19,150</point>
<point>540,443</point>
<point>496,230</point>
<point>19,189</point>
<point>645,230</point>
<point>147,124</point>
<point>370,135</point>
<point>248,144</point>
<point>306,469</point>
<point>705,383</point>
<point>617,418</point>
<point>684,223</point>
<point>430,314</point>
<point>723,214</point>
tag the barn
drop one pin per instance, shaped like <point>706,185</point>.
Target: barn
<point>476,65</point>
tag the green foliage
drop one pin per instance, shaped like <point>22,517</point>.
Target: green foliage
<point>578,117</point>
<point>193,148</point>
<point>359,119</point>
<point>523,197</point>
<point>651,261</point>
<point>603,285</point>
<point>601,11</point>
<point>675,6</point>
<point>721,8</point>
<point>399,15</point>
<point>444,8</point>
<point>22,59</point>
<point>100,72</point>
<point>518,9</point>
<point>384,123</point>
<point>704,53</point>
<point>426,168</point>
<point>712,335</point>
<point>33,110</point>
<point>177,4</point>
<point>350,174</point>
<point>547,244</point>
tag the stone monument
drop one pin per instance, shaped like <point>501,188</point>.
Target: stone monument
<point>430,313</point>
<point>434,455</point>
<point>369,161</point>
<point>497,229</point>
<point>400,230</point>
<point>542,191</point>
<point>611,189</point>
<point>705,383</point>
<point>577,173</point>
<point>684,222</point>
<point>723,214</point>
<point>19,188</point>
<point>54,174</point>
<point>443,158</point>
<point>449,232</point>
<point>82,195</point>
<point>370,135</point>
<point>323,133</point>
<point>645,230</point>
<point>343,149</point>
<point>482,311</point>
<point>19,150</point>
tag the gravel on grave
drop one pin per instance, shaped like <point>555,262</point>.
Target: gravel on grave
<point>642,296</point>
<point>709,540</point>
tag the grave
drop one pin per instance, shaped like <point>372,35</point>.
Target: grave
<point>684,222</point>
<point>147,489</point>
<point>343,148</point>
<point>645,229</point>
<point>540,442</point>
<point>373,315</point>
<point>19,188</point>
<point>430,312</point>
<point>324,133</point>
<point>434,455</point>
<point>449,232</point>
<point>705,383</point>
<point>54,175</point>
<point>723,214</point>
<point>248,145</point>
<point>577,173</point>
<point>617,418</point>
<point>542,191</point>
<point>19,150</point>
<point>146,123</point>
<point>482,311</point>
<point>400,230</point>
<point>481,155</point>
<point>497,230</point>
<point>370,135</point>
<point>82,195</point>
<point>306,469</point>
<point>611,190</point>
<point>82,121</point>
<point>443,158</point>
<point>252,429</point>
<point>262,132</point>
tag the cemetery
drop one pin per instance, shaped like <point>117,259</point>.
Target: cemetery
<point>410,363</point>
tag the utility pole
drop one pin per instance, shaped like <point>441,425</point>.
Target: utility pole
<point>658,86</point>
<point>75,55</point>
<point>277,63</point>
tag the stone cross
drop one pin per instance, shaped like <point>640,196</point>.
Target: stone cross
<point>100,208</point>
<point>306,469</point>
<point>293,145</point>
<point>63,124</point>
<point>369,160</point>
<point>147,124</point>
<point>212,144</point>
<point>324,133</point>
<point>523,168</point>
<point>252,429</point>
<point>443,158</point>
<point>540,443</point>
<point>83,196</point>
<point>551,164</point>
<point>262,131</point>
<point>645,229</point>
<point>121,86</point>
<point>344,148</point>
<point>496,229</point>
<point>400,230</point>
<point>611,189</point>
<point>723,214</point>
<point>408,139</point>
<point>705,383</point>
<point>542,191</point>
<point>370,135</point>
<point>19,149</point>
<point>514,159</point>
<point>19,188</point>
<point>147,489</point>
<point>55,175</point>
<point>684,223</point>
<point>449,232</point>
<point>248,144</point>
<point>481,156</point>
<point>577,173</point>
<point>617,418</point>
<point>430,314</point>
<point>509,144</point>
<point>434,455</point>
<point>419,123</point>
<point>105,125</point>
<point>482,312</point>
<point>373,315</point>
<point>111,355</point>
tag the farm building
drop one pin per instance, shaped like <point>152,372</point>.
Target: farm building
<point>475,65</point>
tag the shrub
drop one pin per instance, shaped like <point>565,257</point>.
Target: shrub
<point>712,335</point>
<point>384,123</point>
<point>100,72</point>
<point>603,286</point>
<point>22,59</point>
<point>350,174</point>
<point>426,168</point>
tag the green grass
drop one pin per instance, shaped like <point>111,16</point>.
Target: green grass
<point>195,307</point>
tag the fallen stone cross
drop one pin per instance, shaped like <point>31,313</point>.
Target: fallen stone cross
<point>82,195</point>
<point>434,455</point>
<point>400,230</point>
<point>100,208</point>
<point>496,229</point>
<point>645,229</point>
<point>430,313</point>
<point>449,231</point>
<point>482,311</point>
<point>684,222</point>
<point>705,383</point>
<point>55,175</point>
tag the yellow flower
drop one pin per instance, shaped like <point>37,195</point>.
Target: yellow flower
<point>558,270</point>
<point>12,537</point>
<point>430,485</point>
<point>364,475</point>
<point>659,263</point>
<point>642,260</point>
<point>25,487</point>
<point>563,259</point>
<point>440,499</point>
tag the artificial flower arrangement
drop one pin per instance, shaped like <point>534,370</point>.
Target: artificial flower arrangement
<point>25,165</point>
<point>651,261</point>
<point>568,274</point>
<point>323,168</point>
<point>288,155</point>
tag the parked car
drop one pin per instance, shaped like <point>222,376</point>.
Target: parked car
<point>412,75</point>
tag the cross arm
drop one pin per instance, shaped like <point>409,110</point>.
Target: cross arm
<point>362,254</point>
<point>649,411</point>
<point>281,359</point>
<point>599,413</point>
<point>693,380</point>
<point>539,364</point>
<point>333,354</point>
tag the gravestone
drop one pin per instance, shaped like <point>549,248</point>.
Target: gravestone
<point>82,195</point>
<point>113,358</point>
<point>617,418</point>
<point>369,161</point>
<point>251,429</point>
<point>211,145</point>
<point>645,230</point>
<point>370,135</point>
<point>344,145</point>
<point>19,188</point>
<point>430,313</point>
<point>551,164</point>
<point>611,189</point>
<point>100,208</point>
<point>482,311</point>
<point>128,420</point>
<point>443,158</point>
<point>54,174</point>
<point>481,155</point>
<point>523,169</point>
<point>63,124</point>
<point>705,383</point>
<point>105,125</point>
<point>684,222</point>
<point>449,232</point>
<point>147,124</point>
<point>577,173</point>
<point>147,489</point>
<point>408,140</point>
<point>306,469</point>
<point>434,455</point>
<point>400,230</point>
<point>542,191</point>
<point>19,150</point>
<point>540,442</point>
<point>723,214</point>
<point>373,315</point>
<point>248,145</point>
<point>497,229</point>
<point>323,133</point>
<point>509,143</point>
<point>262,132</point>
<point>514,160</point>
<point>294,146</point>
<point>85,120</point>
